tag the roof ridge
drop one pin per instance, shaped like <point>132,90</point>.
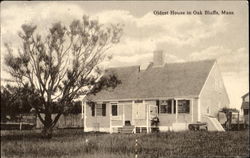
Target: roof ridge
<point>123,67</point>
<point>192,61</point>
<point>165,64</point>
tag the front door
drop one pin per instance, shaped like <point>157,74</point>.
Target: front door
<point>128,113</point>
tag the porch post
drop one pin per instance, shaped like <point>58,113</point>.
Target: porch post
<point>133,104</point>
<point>147,108</point>
<point>199,110</point>
<point>176,111</point>
<point>123,115</point>
<point>82,105</point>
<point>172,112</point>
<point>110,118</point>
<point>85,116</point>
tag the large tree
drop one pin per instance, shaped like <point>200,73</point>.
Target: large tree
<point>63,64</point>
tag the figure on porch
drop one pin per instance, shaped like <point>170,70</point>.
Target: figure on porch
<point>154,124</point>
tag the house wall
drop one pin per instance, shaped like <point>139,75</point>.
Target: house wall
<point>195,110</point>
<point>108,122</point>
<point>97,123</point>
<point>167,120</point>
<point>213,96</point>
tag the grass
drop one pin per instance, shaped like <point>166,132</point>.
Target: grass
<point>76,143</point>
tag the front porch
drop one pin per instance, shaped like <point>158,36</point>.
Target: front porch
<point>138,115</point>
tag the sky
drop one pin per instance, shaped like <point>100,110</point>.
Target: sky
<point>181,37</point>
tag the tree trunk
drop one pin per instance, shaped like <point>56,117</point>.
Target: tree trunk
<point>47,132</point>
<point>48,128</point>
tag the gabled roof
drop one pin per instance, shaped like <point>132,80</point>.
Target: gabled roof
<point>171,80</point>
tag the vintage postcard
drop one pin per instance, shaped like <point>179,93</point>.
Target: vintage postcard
<point>118,79</point>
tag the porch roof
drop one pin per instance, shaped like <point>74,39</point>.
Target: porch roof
<point>170,80</point>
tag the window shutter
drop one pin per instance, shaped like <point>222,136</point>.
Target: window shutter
<point>174,106</point>
<point>169,108</point>
<point>188,106</point>
<point>93,109</point>
<point>103,109</point>
<point>158,107</point>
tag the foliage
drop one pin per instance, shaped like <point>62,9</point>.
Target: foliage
<point>17,100</point>
<point>62,65</point>
<point>76,143</point>
<point>76,108</point>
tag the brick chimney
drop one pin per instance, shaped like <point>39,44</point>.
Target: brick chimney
<point>158,58</point>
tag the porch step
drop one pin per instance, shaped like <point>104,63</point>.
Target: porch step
<point>126,129</point>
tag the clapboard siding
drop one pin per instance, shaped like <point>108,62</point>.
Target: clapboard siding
<point>213,96</point>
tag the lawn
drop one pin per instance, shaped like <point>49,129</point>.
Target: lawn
<point>76,143</point>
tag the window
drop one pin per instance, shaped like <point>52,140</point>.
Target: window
<point>166,106</point>
<point>183,106</point>
<point>98,109</point>
<point>114,110</point>
<point>246,111</point>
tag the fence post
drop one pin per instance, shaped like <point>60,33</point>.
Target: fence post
<point>238,121</point>
<point>136,147</point>
<point>20,127</point>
